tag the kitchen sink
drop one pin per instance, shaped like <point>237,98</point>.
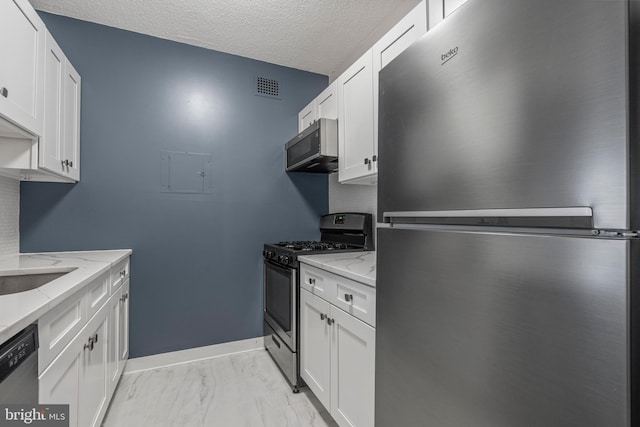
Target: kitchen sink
<point>11,284</point>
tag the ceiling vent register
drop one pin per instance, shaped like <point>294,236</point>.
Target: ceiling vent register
<point>268,87</point>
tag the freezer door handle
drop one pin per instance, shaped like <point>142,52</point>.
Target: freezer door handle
<point>574,217</point>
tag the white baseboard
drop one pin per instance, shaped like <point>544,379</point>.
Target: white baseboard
<point>163,360</point>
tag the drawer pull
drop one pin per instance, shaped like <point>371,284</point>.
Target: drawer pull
<point>312,281</point>
<point>323,316</point>
<point>4,92</point>
<point>92,340</point>
<point>275,341</point>
<point>348,297</point>
<point>330,321</point>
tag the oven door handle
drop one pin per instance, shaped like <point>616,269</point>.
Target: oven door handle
<point>279,267</point>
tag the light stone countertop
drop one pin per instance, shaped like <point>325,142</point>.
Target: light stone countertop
<point>20,309</point>
<point>358,266</point>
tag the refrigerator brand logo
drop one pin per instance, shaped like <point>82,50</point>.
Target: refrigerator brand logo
<point>446,57</point>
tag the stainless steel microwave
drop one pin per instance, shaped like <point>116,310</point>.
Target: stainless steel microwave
<point>315,149</point>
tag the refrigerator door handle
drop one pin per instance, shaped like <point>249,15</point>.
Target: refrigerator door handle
<point>577,216</point>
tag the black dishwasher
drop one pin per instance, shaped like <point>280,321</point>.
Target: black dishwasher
<point>19,368</point>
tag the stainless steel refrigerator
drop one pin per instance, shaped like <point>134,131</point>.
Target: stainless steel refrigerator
<point>507,290</point>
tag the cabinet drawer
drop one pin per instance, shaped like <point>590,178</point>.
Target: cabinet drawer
<point>356,299</point>
<point>119,273</point>
<point>97,294</point>
<point>317,281</point>
<point>353,297</point>
<point>58,326</point>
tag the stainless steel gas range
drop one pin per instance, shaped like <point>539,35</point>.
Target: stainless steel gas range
<point>343,232</point>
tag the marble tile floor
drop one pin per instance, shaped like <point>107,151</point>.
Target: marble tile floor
<point>238,390</point>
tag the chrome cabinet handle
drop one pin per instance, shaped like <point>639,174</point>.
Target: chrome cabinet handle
<point>70,164</point>
<point>348,297</point>
<point>366,161</point>
<point>92,340</point>
<point>374,158</point>
<point>123,273</point>
<point>4,92</point>
<point>124,297</point>
<point>323,316</point>
<point>330,321</point>
<point>312,281</point>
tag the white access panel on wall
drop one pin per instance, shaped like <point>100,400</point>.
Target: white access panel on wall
<point>184,172</point>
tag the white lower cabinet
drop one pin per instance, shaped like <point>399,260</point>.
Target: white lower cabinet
<point>113,354</point>
<point>315,346</point>
<point>337,359</point>
<point>85,372</point>
<point>92,401</point>
<point>123,334</point>
<point>78,375</point>
<point>59,383</point>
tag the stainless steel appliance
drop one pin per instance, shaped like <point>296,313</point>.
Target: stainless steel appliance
<point>507,279</point>
<point>19,368</point>
<point>315,149</point>
<point>342,232</point>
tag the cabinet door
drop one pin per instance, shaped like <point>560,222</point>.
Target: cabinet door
<point>440,9</point>
<point>327,103</point>
<point>59,326</point>
<point>401,36</point>
<point>356,120</point>
<point>71,127</point>
<point>123,335</point>
<point>22,47</point>
<point>306,116</point>
<point>50,145</point>
<point>315,355</point>
<point>450,6</point>
<point>59,383</point>
<point>113,353</point>
<point>352,371</point>
<point>93,371</point>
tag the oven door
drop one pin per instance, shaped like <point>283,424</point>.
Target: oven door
<point>280,301</point>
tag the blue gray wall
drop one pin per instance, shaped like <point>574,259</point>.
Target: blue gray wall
<point>196,275</point>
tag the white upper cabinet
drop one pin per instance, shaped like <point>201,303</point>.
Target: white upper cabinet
<point>306,116</point>
<point>327,103</point>
<point>51,141</point>
<point>356,144</point>
<point>358,100</point>
<point>440,9</point>
<point>71,120</point>
<point>22,47</point>
<point>60,143</point>
<point>324,106</point>
<point>39,100</point>
<point>401,36</point>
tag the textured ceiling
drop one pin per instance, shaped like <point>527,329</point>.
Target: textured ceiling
<point>322,36</point>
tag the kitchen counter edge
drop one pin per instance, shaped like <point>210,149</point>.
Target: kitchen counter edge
<point>358,266</point>
<point>19,310</point>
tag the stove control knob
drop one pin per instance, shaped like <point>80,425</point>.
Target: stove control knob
<point>269,254</point>
<point>281,259</point>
